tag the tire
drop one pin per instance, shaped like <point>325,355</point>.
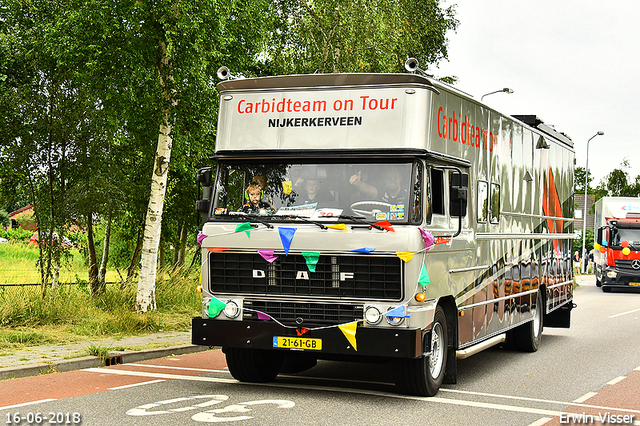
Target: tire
<point>423,376</point>
<point>527,337</point>
<point>598,280</point>
<point>253,365</point>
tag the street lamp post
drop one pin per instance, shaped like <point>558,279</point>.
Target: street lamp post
<point>505,90</point>
<point>584,213</point>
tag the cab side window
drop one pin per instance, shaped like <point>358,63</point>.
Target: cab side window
<point>437,191</point>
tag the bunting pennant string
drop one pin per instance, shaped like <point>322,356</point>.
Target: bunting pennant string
<point>312,258</point>
<point>246,227</point>
<point>200,237</point>
<point>339,226</point>
<point>428,238</point>
<point>405,255</point>
<point>385,224</point>
<point>215,307</point>
<point>217,249</point>
<point>262,316</point>
<point>424,279</point>
<point>300,331</point>
<point>398,312</point>
<point>286,235</point>
<point>349,331</point>
<point>362,250</point>
<point>268,255</point>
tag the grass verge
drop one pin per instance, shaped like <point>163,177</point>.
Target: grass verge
<point>73,315</point>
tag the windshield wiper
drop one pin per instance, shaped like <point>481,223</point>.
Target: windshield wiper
<point>251,218</point>
<point>361,219</point>
<point>302,218</point>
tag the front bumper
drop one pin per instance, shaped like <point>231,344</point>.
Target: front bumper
<point>371,341</point>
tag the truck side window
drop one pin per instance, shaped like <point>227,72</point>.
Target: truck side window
<point>483,205</point>
<point>494,211</point>
<point>437,191</point>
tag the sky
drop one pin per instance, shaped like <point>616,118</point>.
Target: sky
<point>573,63</point>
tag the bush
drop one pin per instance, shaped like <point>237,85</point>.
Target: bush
<point>17,234</point>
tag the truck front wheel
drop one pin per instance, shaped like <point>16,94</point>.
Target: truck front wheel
<point>253,365</point>
<point>423,376</point>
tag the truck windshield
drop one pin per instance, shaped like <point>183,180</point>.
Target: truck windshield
<point>327,191</point>
<point>632,235</point>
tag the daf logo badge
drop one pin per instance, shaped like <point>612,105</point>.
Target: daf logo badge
<point>635,264</point>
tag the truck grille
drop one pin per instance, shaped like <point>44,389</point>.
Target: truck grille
<point>625,265</point>
<point>304,314</point>
<point>345,276</point>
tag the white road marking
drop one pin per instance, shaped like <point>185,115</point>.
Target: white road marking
<point>27,403</point>
<point>584,397</point>
<point>136,384</point>
<point>542,421</point>
<point>624,313</point>
<point>552,413</point>
<point>616,380</point>
<point>178,368</point>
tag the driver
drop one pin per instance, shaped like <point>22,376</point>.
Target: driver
<point>255,205</point>
<point>391,192</point>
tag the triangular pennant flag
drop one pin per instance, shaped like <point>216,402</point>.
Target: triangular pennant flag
<point>428,238</point>
<point>262,316</point>
<point>405,255</point>
<point>215,306</point>
<point>363,250</point>
<point>424,279</point>
<point>286,235</point>
<point>340,226</point>
<point>397,313</point>
<point>441,240</point>
<point>386,225</point>
<point>349,331</point>
<point>312,259</point>
<point>217,249</point>
<point>246,226</point>
<point>200,237</point>
<point>267,255</point>
<point>300,331</point>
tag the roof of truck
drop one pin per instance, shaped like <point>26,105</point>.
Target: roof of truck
<point>319,81</point>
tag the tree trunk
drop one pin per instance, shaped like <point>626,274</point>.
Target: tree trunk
<point>146,296</point>
<point>105,252</point>
<point>183,245</point>
<point>94,283</point>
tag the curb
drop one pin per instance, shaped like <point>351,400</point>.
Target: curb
<point>114,358</point>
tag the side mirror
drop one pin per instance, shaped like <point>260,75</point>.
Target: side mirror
<point>204,178</point>
<point>599,235</point>
<point>458,194</point>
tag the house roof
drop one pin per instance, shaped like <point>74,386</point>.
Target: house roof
<point>20,210</point>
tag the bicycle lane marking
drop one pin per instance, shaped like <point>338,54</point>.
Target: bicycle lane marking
<point>617,393</point>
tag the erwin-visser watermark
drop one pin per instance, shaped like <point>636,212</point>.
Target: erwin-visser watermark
<point>604,418</point>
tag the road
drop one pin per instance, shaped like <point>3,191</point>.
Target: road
<point>591,369</point>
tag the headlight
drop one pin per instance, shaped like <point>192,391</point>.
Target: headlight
<point>372,315</point>
<point>612,274</point>
<point>394,320</point>
<point>231,310</point>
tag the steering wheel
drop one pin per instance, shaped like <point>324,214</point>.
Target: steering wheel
<point>372,212</point>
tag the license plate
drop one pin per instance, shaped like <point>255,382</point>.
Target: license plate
<point>635,284</point>
<point>297,343</point>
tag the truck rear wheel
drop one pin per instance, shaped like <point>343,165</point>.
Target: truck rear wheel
<point>253,365</point>
<point>423,376</point>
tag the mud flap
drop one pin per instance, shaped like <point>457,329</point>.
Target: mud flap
<point>560,318</point>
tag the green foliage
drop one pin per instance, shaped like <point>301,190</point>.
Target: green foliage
<point>589,240</point>
<point>359,35</point>
<point>16,234</point>
<point>108,314</point>
<point>4,219</point>
<point>618,183</point>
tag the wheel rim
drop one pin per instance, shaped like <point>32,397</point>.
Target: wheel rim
<point>437,350</point>
<point>537,320</point>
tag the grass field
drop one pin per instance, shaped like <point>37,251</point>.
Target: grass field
<point>18,265</point>
<point>73,315</point>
